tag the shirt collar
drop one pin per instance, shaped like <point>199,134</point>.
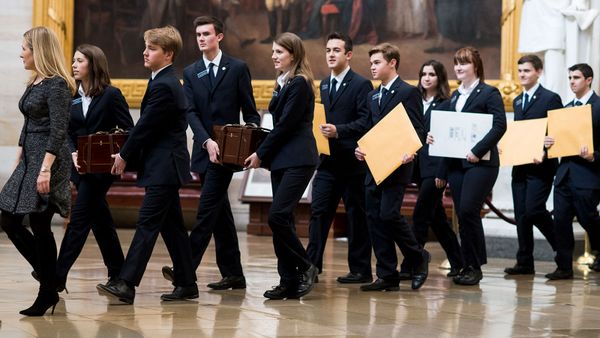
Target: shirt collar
<point>81,91</point>
<point>281,79</point>
<point>158,71</point>
<point>585,98</point>
<point>531,91</point>
<point>340,77</point>
<point>389,84</point>
<point>467,91</point>
<point>216,60</point>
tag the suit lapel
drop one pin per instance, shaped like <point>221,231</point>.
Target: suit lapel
<point>472,97</point>
<point>223,68</point>
<point>375,102</point>
<point>519,107</point>
<point>345,83</point>
<point>532,100</point>
<point>92,105</point>
<point>202,74</point>
<point>325,92</point>
<point>453,100</point>
<point>391,93</point>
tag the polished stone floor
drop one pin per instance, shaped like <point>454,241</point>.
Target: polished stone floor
<point>498,307</point>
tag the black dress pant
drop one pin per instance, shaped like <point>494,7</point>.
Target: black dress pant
<point>160,213</point>
<point>569,202</point>
<point>214,218</point>
<point>328,188</point>
<point>90,211</point>
<point>37,247</point>
<point>530,194</point>
<point>288,185</point>
<point>429,212</point>
<point>470,187</point>
<point>387,226</point>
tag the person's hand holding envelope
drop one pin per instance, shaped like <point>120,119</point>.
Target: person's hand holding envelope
<point>391,143</point>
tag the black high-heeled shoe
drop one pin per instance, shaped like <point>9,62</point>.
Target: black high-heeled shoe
<point>42,303</point>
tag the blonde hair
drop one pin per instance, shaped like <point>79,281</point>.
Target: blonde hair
<point>300,66</point>
<point>168,38</point>
<point>47,56</point>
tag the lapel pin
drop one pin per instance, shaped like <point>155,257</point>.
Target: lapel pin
<point>478,90</point>
<point>392,92</point>
<point>223,68</point>
<point>534,97</point>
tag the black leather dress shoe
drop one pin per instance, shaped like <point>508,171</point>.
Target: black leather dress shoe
<point>282,291</point>
<point>560,274</point>
<point>168,274</point>
<point>229,282</point>
<point>405,275</point>
<point>118,291</point>
<point>595,266</point>
<point>468,276</point>
<point>453,272</point>
<point>421,272</point>
<point>520,270</point>
<point>381,285</point>
<point>353,277</point>
<point>307,281</point>
<point>181,293</point>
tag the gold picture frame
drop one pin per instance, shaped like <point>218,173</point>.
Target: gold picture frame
<point>58,15</point>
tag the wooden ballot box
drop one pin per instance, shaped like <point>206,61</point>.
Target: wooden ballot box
<point>94,151</point>
<point>237,142</point>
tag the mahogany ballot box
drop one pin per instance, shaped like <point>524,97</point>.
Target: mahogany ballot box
<point>94,151</point>
<point>237,142</point>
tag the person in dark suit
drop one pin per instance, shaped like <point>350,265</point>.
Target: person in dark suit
<point>97,106</point>
<point>577,182</point>
<point>159,141</point>
<point>429,211</point>
<point>290,152</point>
<point>217,87</point>
<point>472,179</point>
<point>340,175</point>
<point>386,224</point>
<point>532,183</point>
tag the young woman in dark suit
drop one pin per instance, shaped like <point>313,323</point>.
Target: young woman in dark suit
<point>290,153</point>
<point>429,211</point>
<point>97,106</point>
<point>472,179</point>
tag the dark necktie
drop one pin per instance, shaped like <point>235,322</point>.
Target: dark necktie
<point>578,103</point>
<point>384,92</point>
<point>525,101</point>
<point>211,74</point>
<point>333,89</point>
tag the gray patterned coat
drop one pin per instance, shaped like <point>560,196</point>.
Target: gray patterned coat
<point>45,107</point>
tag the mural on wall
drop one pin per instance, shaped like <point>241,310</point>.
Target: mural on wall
<point>423,29</point>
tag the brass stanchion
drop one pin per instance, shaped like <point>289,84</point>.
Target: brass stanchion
<point>587,257</point>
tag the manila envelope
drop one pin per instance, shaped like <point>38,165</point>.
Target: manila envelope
<point>388,141</point>
<point>319,119</point>
<point>571,129</point>
<point>522,142</point>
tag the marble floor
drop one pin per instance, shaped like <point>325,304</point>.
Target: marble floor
<point>498,307</point>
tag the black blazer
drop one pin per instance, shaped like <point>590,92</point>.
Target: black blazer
<point>158,138</point>
<point>350,114</point>
<point>291,142</point>
<point>106,111</point>
<point>428,165</point>
<point>217,105</point>
<point>484,99</point>
<point>409,96</point>
<point>539,104</point>
<point>583,173</point>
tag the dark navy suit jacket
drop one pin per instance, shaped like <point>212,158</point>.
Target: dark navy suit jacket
<point>409,96</point>
<point>428,165</point>
<point>219,104</point>
<point>159,139</point>
<point>583,173</point>
<point>349,113</point>
<point>106,111</point>
<point>484,99</point>
<point>291,142</point>
<point>539,104</point>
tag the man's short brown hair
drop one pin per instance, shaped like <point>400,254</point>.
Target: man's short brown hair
<point>168,38</point>
<point>389,52</point>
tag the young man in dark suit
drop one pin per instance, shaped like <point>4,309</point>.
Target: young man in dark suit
<point>159,141</point>
<point>217,87</point>
<point>532,183</point>
<point>577,182</point>
<point>383,201</point>
<point>340,175</point>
